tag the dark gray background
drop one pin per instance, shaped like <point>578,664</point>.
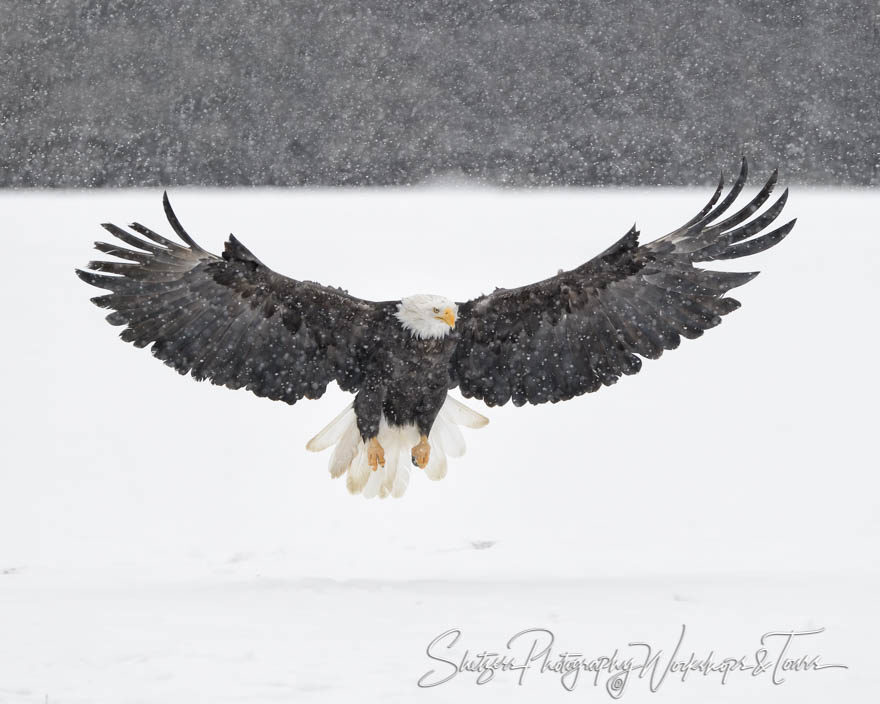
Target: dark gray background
<point>262,92</point>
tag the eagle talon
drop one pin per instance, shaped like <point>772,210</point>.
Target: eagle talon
<point>375,454</point>
<point>421,453</point>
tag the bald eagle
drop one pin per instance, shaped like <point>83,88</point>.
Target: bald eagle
<point>234,321</point>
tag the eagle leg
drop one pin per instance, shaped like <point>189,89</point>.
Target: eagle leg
<point>421,453</point>
<point>375,454</point>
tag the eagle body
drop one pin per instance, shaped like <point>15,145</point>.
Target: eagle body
<point>407,382</point>
<point>232,320</point>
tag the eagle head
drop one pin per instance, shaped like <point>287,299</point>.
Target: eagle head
<point>426,316</point>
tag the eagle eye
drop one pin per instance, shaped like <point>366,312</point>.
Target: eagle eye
<point>436,310</point>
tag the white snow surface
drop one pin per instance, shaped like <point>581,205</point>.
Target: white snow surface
<point>163,540</point>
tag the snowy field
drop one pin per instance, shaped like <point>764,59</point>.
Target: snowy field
<point>168,541</point>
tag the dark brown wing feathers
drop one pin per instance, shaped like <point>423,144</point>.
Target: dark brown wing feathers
<point>582,329</point>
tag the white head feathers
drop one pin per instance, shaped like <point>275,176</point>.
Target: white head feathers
<point>427,316</point>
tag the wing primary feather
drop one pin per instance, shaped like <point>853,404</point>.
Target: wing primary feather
<point>130,239</point>
<point>157,238</point>
<point>731,196</point>
<point>123,253</point>
<point>710,242</point>
<point>706,208</point>
<point>111,283</point>
<point>135,272</point>
<point>176,226</point>
<point>754,227</point>
<point>756,245</point>
<point>752,206</point>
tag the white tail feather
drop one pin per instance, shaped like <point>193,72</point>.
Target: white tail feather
<point>333,431</point>
<point>448,437</point>
<point>391,462</point>
<point>345,451</point>
<point>350,453</point>
<point>437,466</point>
<point>401,482</point>
<point>460,414</point>
<point>358,471</point>
<point>376,479</point>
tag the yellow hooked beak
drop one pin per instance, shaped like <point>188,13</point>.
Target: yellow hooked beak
<point>448,317</point>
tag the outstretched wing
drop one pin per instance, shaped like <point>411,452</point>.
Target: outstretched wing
<point>581,329</point>
<point>231,319</point>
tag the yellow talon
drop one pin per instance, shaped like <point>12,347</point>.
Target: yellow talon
<point>375,454</point>
<point>421,453</point>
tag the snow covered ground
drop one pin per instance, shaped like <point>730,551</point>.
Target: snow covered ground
<point>168,541</point>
